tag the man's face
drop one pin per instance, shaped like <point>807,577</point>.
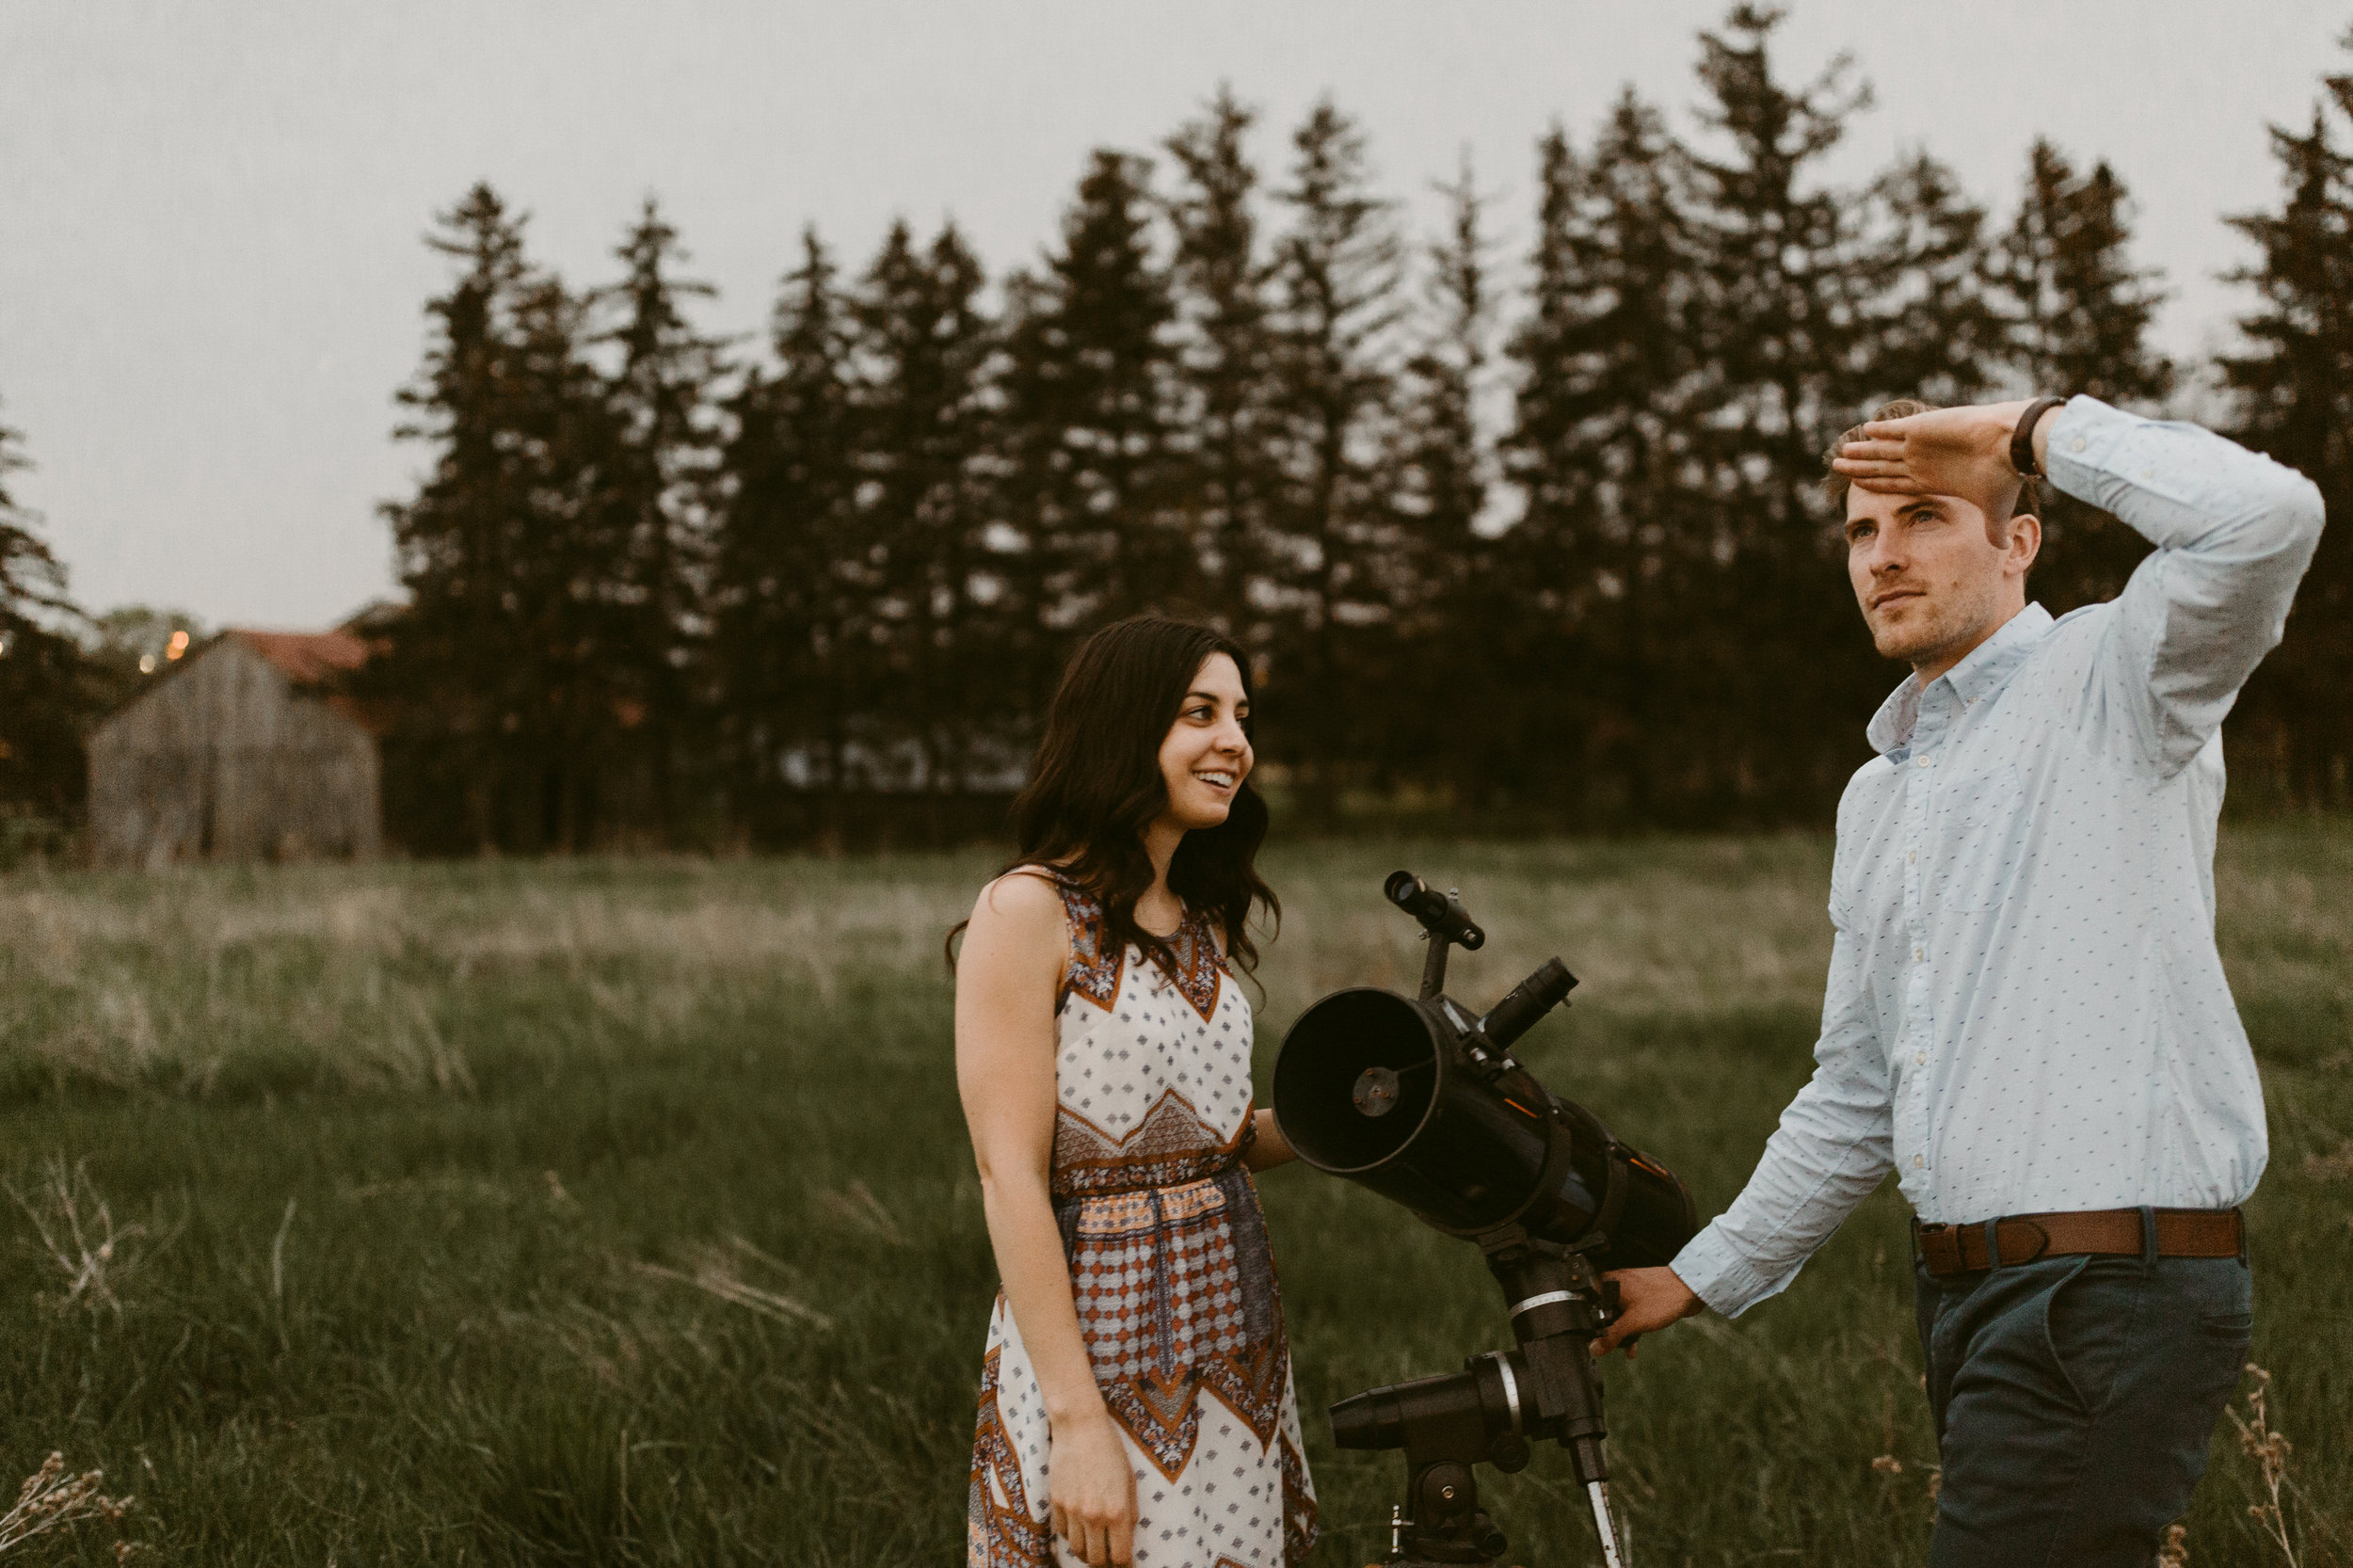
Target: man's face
<point>1931,582</point>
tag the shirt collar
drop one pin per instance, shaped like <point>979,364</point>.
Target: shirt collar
<point>1987,666</point>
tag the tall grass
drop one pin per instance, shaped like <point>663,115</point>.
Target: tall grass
<point>606,1212</point>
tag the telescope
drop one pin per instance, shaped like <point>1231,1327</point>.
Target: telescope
<point>1422,1101</point>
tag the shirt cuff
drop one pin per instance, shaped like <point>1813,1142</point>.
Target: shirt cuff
<point>2083,433</point>
<point>1719,1275</point>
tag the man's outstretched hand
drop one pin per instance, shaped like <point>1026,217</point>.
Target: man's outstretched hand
<point>1648,1298</point>
<point>1962,452</point>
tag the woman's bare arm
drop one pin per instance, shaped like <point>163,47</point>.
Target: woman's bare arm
<point>1008,975</point>
<point>1270,1147</point>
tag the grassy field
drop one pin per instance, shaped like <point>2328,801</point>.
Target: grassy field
<point>621,1212</point>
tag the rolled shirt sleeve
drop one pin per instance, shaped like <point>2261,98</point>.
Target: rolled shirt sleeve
<point>2234,531</point>
<point>1834,1143</point>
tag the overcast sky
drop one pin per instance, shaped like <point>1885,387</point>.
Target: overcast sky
<point>211,266</point>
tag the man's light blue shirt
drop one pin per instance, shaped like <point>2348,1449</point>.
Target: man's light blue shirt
<point>2025,1010</point>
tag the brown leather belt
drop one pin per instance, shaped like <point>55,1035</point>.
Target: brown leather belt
<point>2110,1232</point>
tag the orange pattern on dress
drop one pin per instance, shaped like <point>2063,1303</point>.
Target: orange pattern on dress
<point>1170,1273</point>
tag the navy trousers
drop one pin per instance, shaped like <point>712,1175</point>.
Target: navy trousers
<point>2074,1398</point>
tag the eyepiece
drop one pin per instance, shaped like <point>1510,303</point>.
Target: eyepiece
<point>1530,1001</point>
<point>1441,914</point>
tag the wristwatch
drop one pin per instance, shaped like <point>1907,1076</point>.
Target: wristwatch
<point>2022,439</point>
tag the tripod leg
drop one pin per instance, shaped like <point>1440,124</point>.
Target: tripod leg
<point>1582,1437</point>
<point>1598,1492</point>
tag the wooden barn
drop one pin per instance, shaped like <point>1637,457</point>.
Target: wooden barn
<point>236,753</point>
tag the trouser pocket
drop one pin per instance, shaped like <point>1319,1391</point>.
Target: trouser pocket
<point>2089,1314</point>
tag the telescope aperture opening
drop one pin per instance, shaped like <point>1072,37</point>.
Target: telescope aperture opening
<point>1344,1046</point>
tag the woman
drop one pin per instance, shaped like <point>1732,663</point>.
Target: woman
<point>1136,1400</point>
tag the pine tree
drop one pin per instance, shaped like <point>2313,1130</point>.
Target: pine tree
<point>1794,287</point>
<point>2077,314</point>
<point>1449,673</point>
<point>2294,382</point>
<point>1090,391</point>
<point>569,698</point>
<point>657,484</point>
<point>793,610</point>
<point>1934,334</point>
<point>1225,361</point>
<point>1444,465</point>
<point>493,669</point>
<point>450,542</point>
<point>924,347</point>
<point>1336,284</point>
<point>44,688</point>
<point>1617,546</point>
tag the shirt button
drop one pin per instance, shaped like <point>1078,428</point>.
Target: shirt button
<point>1919,1161</point>
<point>1916,856</point>
<point>2075,445</point>
<point>1920,1058</point>
<point>1925,760</point>
<point>1919,955</point>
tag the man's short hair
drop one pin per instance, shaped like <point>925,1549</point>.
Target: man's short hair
<point>1835,485</point>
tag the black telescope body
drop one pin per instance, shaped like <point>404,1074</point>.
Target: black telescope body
<point>1422,1101</point>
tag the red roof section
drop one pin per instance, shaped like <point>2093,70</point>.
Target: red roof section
<point>308,657</point>
<point>312,657</point>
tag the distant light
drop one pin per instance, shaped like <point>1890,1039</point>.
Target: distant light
<point>147,663</point>
<point>178,644</point>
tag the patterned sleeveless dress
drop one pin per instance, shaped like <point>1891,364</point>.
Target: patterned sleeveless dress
<point>1169,1264</point>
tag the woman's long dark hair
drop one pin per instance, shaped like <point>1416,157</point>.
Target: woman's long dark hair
<point>1095,786</point>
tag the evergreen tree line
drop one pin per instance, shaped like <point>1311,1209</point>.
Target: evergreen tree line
<point>1558,557</point>
<point>1550,554</point>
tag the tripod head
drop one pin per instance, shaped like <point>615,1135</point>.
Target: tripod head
<point>1547,1390</point>
<point>1423,1102</point>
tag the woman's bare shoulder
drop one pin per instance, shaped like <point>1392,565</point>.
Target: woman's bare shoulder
<point>1024,898</point>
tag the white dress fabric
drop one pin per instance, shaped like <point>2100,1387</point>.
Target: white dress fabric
<point>1170,1270</point>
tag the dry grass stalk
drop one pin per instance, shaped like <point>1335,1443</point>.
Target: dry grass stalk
<point>2269,1449</point>
<point>859,1207</point>
<point>77,1231</point>
<point>715,1272</point>
<point>278,1255</point>
<point>51,1500</point>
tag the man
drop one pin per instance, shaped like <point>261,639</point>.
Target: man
<point>2027,1016</point>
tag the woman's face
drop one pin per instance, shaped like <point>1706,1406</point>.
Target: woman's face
<point>1206,756</point>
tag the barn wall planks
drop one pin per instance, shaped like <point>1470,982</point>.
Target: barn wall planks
<point>230,760</point>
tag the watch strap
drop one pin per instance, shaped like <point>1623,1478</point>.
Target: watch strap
<point>2022,439</point>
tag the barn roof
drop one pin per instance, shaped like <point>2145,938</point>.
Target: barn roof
<point>306,657</point>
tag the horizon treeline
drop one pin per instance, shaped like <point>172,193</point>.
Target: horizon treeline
<point>1528,536</point>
